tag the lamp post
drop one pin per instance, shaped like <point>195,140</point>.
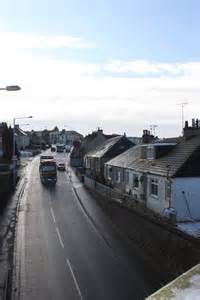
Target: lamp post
<point>10,88</point>
<point>14,156</point>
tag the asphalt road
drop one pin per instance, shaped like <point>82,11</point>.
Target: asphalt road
<point>66,248</point>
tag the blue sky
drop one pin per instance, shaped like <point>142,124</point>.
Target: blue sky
<point>116,44</point>
<point>152,29</point>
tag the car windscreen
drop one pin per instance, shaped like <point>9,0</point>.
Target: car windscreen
<point>48,168</point>
<point>46,157</point>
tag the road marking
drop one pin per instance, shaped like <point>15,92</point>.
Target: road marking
<point>74,278</point>
<point>52,214</point>
<point>59,236</point>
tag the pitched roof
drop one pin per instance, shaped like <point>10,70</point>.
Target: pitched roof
<point>171,164</point>
<point>91,136</point>
<point>19,131</point>
<point>170,140</point>
<point>104,147</point>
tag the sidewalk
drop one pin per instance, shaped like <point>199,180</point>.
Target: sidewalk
<point>8,219</point>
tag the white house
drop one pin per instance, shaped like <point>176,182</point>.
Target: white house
<point>22,138</point>
<point>161,175</point>
<point>54,136</point>
<point>68,137</point>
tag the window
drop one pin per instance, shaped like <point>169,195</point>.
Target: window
<point>109,172</point>
<point>135,181</point>
<point>117,176</point>
<point>127,177</point>
<point>154,187</point>
<point>48,168</point>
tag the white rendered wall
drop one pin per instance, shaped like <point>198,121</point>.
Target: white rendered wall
<point>157,203</point>
<point>187,204</point>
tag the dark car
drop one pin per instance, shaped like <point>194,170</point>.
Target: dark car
<point>61,166</point>
<point>53,149</point>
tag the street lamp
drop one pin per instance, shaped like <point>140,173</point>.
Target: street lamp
<point>14,156</point>
<point>11,88</point>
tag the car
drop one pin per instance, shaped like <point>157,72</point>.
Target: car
<point>67,148</point>
<point>53,149</point>
<point>61,167</point>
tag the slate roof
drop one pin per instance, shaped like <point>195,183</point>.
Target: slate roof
<point>173,164</point>
<point>170,140</point>
<point>19,131</point>
<point>94,134</point>
<point>104,147</point>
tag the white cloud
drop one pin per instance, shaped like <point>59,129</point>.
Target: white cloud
<point>141,67</point>
<point>10,40</point>
<point>82,96</point>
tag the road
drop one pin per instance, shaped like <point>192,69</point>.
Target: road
<point>66,248</point>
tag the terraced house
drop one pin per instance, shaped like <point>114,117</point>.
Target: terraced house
<point>95,159</point>
<point>161,175</point>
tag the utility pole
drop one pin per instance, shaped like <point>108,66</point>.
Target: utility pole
<point>182,105</point>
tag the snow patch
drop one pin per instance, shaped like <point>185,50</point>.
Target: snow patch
<point>191,293</point>
<point>191,228</point>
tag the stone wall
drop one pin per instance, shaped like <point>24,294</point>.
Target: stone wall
<point>5,189</point>
<point>168,248</point>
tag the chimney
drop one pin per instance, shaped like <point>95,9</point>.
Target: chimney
<point>99,130</point>
<point>193,130</point>
<point>147,137</point>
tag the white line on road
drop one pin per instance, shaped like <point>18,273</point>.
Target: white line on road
<point>52,214</point>
<point>74,278</point>
<point>59,236</point>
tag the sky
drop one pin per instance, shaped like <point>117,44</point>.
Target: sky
<point>119,65</point>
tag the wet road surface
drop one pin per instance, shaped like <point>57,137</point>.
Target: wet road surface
<point>68,249</point>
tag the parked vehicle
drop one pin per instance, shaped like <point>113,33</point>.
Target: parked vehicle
<point>60,148</point>
<point>68,148</point>
<point>53,149</point>
<point>61,167</point>
<point>48,171</point>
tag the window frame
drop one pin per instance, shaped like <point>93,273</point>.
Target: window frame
<point>136,179</point>
<point>117,176</point>
<point>154,187</point>
<point>127,177</point>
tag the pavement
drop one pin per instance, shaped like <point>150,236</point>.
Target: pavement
<point>67,248</point>
<point>8,217</point>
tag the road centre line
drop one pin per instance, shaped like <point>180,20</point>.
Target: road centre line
<point>74,278</point>
<point>52,214</point>
<point>59,237</point>
<point>67,260</point>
